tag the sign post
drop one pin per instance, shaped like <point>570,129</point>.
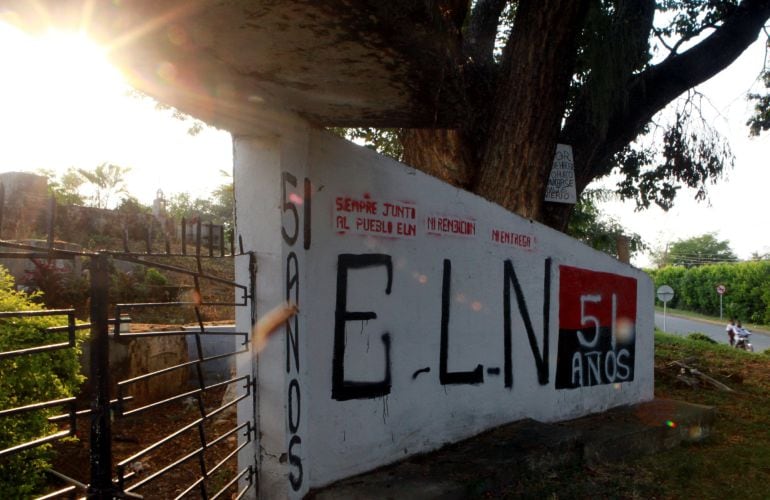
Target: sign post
<point>721,289</point>
<point>665,293</point>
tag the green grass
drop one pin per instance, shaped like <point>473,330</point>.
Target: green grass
<point>734,462</point>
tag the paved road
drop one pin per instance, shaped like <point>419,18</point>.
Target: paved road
<point>683,327</point>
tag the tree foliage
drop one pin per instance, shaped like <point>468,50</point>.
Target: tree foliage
<point>30,379</point>
<point>65,187</point>
<point>104,186</point>
<point>599,82</point>
<point>697,251</point>
<point>218,208</point>
<point>594,228</point>
<point>747,283</point>
<point>107,182</point>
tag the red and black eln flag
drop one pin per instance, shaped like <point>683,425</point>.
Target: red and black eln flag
<point>597,328</point>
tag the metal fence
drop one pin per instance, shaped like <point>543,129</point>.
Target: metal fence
<point>195,449</point>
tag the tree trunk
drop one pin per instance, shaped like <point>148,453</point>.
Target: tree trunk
<point>442,153</point>
<point>513,113</point>
<point>509,161</point>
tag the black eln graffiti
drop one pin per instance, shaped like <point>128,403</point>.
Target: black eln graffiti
<point>306,234</point>
<point>292,325</point>
<point>475,376</point>
<point>541,359</point>
<point>343,390</point>
<point>289,206</point>
<point>290,233</point>
<point>296,461</point>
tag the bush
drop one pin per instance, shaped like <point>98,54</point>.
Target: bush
<point>30,379</point>
<point>701,337</point>
<point>748,289</point>
<point>59,288</point>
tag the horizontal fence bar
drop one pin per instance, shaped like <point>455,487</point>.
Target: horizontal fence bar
<point>58,494</point>
<point>195,453</point>
<point>70,328</point>
<point>41,312</point>
<point>176,269</point>
<point>36,442</point>
<point>36,350</point>
<point>251,474</point>
<point>227,405</point>
<point>145,305</point>
<point>36,406</point>
<point>161,333</point>
<point>194,392</point>
<point>86,412</point>
<point>234,479</point>
<point>58,253</point>
<point>33,255</point>
<point>197,484</point>
<point>167,468</point>
<point>74,482</point>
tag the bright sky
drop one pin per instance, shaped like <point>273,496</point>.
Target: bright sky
<point>62,105</point>
<point>738,203</point>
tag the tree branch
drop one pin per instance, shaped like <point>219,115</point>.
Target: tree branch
<point>654,88</point>
<point>594,143</point>
<point>482,30</point>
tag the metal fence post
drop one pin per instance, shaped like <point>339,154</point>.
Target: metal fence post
<point>101,486</point>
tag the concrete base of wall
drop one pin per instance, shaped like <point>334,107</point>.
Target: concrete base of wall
<point>492,458</point>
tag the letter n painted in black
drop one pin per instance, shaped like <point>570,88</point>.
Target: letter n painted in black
<point>445,376</point>
<point>343,390</point>
<point>541,361</point>
<point>292,324</point>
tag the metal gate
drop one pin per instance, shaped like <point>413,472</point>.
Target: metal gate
<point>191,435</point>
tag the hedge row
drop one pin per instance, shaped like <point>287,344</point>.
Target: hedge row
<point>748,289</point>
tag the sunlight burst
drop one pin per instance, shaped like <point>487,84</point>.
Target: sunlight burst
<point>57,74</point>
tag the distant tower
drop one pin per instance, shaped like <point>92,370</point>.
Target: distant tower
<point>159,206</point>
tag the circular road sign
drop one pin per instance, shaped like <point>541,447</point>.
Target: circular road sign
<point>721,289</point>
<point>665,293</point>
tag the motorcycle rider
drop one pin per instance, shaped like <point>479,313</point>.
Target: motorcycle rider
<point>730,329</point>
<point>742,337</point>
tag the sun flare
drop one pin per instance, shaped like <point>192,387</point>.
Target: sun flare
<point>54,76</point>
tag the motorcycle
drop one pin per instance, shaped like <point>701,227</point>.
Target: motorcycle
<point>742,340</point>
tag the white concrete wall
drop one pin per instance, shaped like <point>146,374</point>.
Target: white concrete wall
<point>423,313</point>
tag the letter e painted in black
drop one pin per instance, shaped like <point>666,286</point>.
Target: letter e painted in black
<point>343,390</point>
<point>445,376</point>
<point>541,360</point>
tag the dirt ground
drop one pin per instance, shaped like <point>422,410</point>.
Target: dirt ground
<point>146,428</point>
<point>136,432</point>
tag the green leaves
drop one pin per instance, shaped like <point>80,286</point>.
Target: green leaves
<point>30,379</point>
<point>747,283</point>
<point>699,250</point>
<point>589,225</point>
<point>690,157</point>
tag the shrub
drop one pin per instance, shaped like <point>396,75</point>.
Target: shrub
<point>60,288</point>
<point>28,379</point>
<point>701,337</point>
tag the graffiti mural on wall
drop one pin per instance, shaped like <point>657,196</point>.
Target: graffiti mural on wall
<point>597,315</point>
<point>290,232</point>
<point>597,333</point>
<point>427,315</point>
<point>597,310</point>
